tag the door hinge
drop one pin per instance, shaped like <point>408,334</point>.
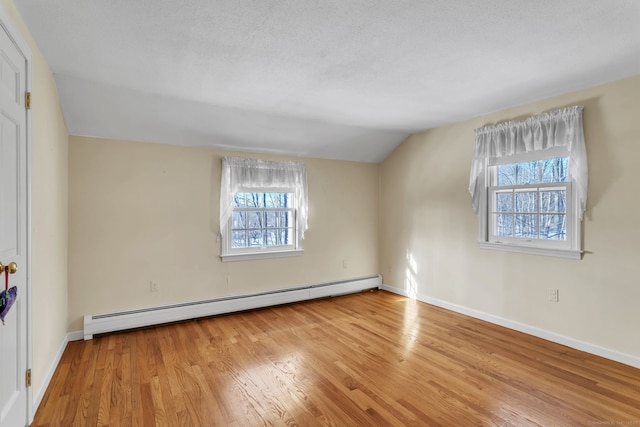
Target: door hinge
<point>27,379</point>
<point>27,100</point>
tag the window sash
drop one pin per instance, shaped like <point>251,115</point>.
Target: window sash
<point>492,212</point>
<point>291,228</point>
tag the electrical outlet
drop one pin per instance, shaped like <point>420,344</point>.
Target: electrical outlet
<point>153,286</point>
<point>344,263</point>
<point>554,295</point>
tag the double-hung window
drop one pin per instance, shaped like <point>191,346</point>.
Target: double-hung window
<point>263,219</point>
<point>528,183</point>
<point>263,208</point>
<point>530,201</point>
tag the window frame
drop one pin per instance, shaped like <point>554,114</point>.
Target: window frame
<point>230,253</point>
<point>569,248</point>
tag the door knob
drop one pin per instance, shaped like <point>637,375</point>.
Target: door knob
<point>11,268</point>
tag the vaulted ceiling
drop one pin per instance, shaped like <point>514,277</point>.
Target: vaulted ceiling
<point>341,79</point>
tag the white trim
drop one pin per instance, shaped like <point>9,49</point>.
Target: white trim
<point>70,336</point>
<point>571,248</point>
<point>7,23</point>
<point>251,253</point>
<point>75,336</point>
<point>260,255</point>
<point>533,250</point>
<point>617,356</point>
<point>31,408</point>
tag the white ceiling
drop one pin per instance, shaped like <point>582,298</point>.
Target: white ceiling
<point>342,79</point>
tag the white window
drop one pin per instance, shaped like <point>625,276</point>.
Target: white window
<point>530,203</point>
<point>263,220</point>
<point>263,207</point>
<point>528,184</point>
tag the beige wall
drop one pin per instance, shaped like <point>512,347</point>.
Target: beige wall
<point>140,212</point>
<point>426,216</point>
<point>49,211</point>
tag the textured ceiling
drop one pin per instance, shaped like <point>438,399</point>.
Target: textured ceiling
<point>343,79</point>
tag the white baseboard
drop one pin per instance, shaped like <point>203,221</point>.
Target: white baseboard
<point>74,336</point>
<point>70,336</point>
<point>527,329</point>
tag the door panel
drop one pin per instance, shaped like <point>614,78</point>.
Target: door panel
<point>9,187</point>
<point>13,232</point>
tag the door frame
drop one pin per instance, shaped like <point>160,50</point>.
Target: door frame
<point>7,23</point>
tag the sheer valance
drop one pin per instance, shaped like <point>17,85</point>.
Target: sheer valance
<point>238,173</point>
<point>559,128</point>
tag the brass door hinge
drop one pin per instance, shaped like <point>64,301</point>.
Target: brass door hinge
<point>27,100</point>
<point>27,379</point>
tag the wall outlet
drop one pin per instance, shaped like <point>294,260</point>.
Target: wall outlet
<point>153,286</point>
<point>345,264</point>
<point>554,295</point>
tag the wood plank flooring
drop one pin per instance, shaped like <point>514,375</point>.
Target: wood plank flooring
<point>368,359</point>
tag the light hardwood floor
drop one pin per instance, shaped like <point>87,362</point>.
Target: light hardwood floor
<point>368,359</point>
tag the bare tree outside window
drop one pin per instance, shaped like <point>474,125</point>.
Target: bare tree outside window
<point>526,204</point>
<point>262,219</point>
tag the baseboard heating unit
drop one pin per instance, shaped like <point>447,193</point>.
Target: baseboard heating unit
<point>111,322</point>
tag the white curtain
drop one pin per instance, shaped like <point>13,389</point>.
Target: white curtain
<point>250,174</point>
<point>559,128</point>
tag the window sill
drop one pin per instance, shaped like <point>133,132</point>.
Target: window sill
<point>260,255</point>
<point>510,247</point>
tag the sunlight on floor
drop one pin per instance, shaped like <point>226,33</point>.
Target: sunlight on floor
<point>411,326</point>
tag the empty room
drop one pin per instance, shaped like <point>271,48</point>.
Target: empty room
<point>341,213</point>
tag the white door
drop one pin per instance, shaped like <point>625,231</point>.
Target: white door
<point>13,231</point>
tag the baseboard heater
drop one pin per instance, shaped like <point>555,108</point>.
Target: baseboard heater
<point>111,322</point>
